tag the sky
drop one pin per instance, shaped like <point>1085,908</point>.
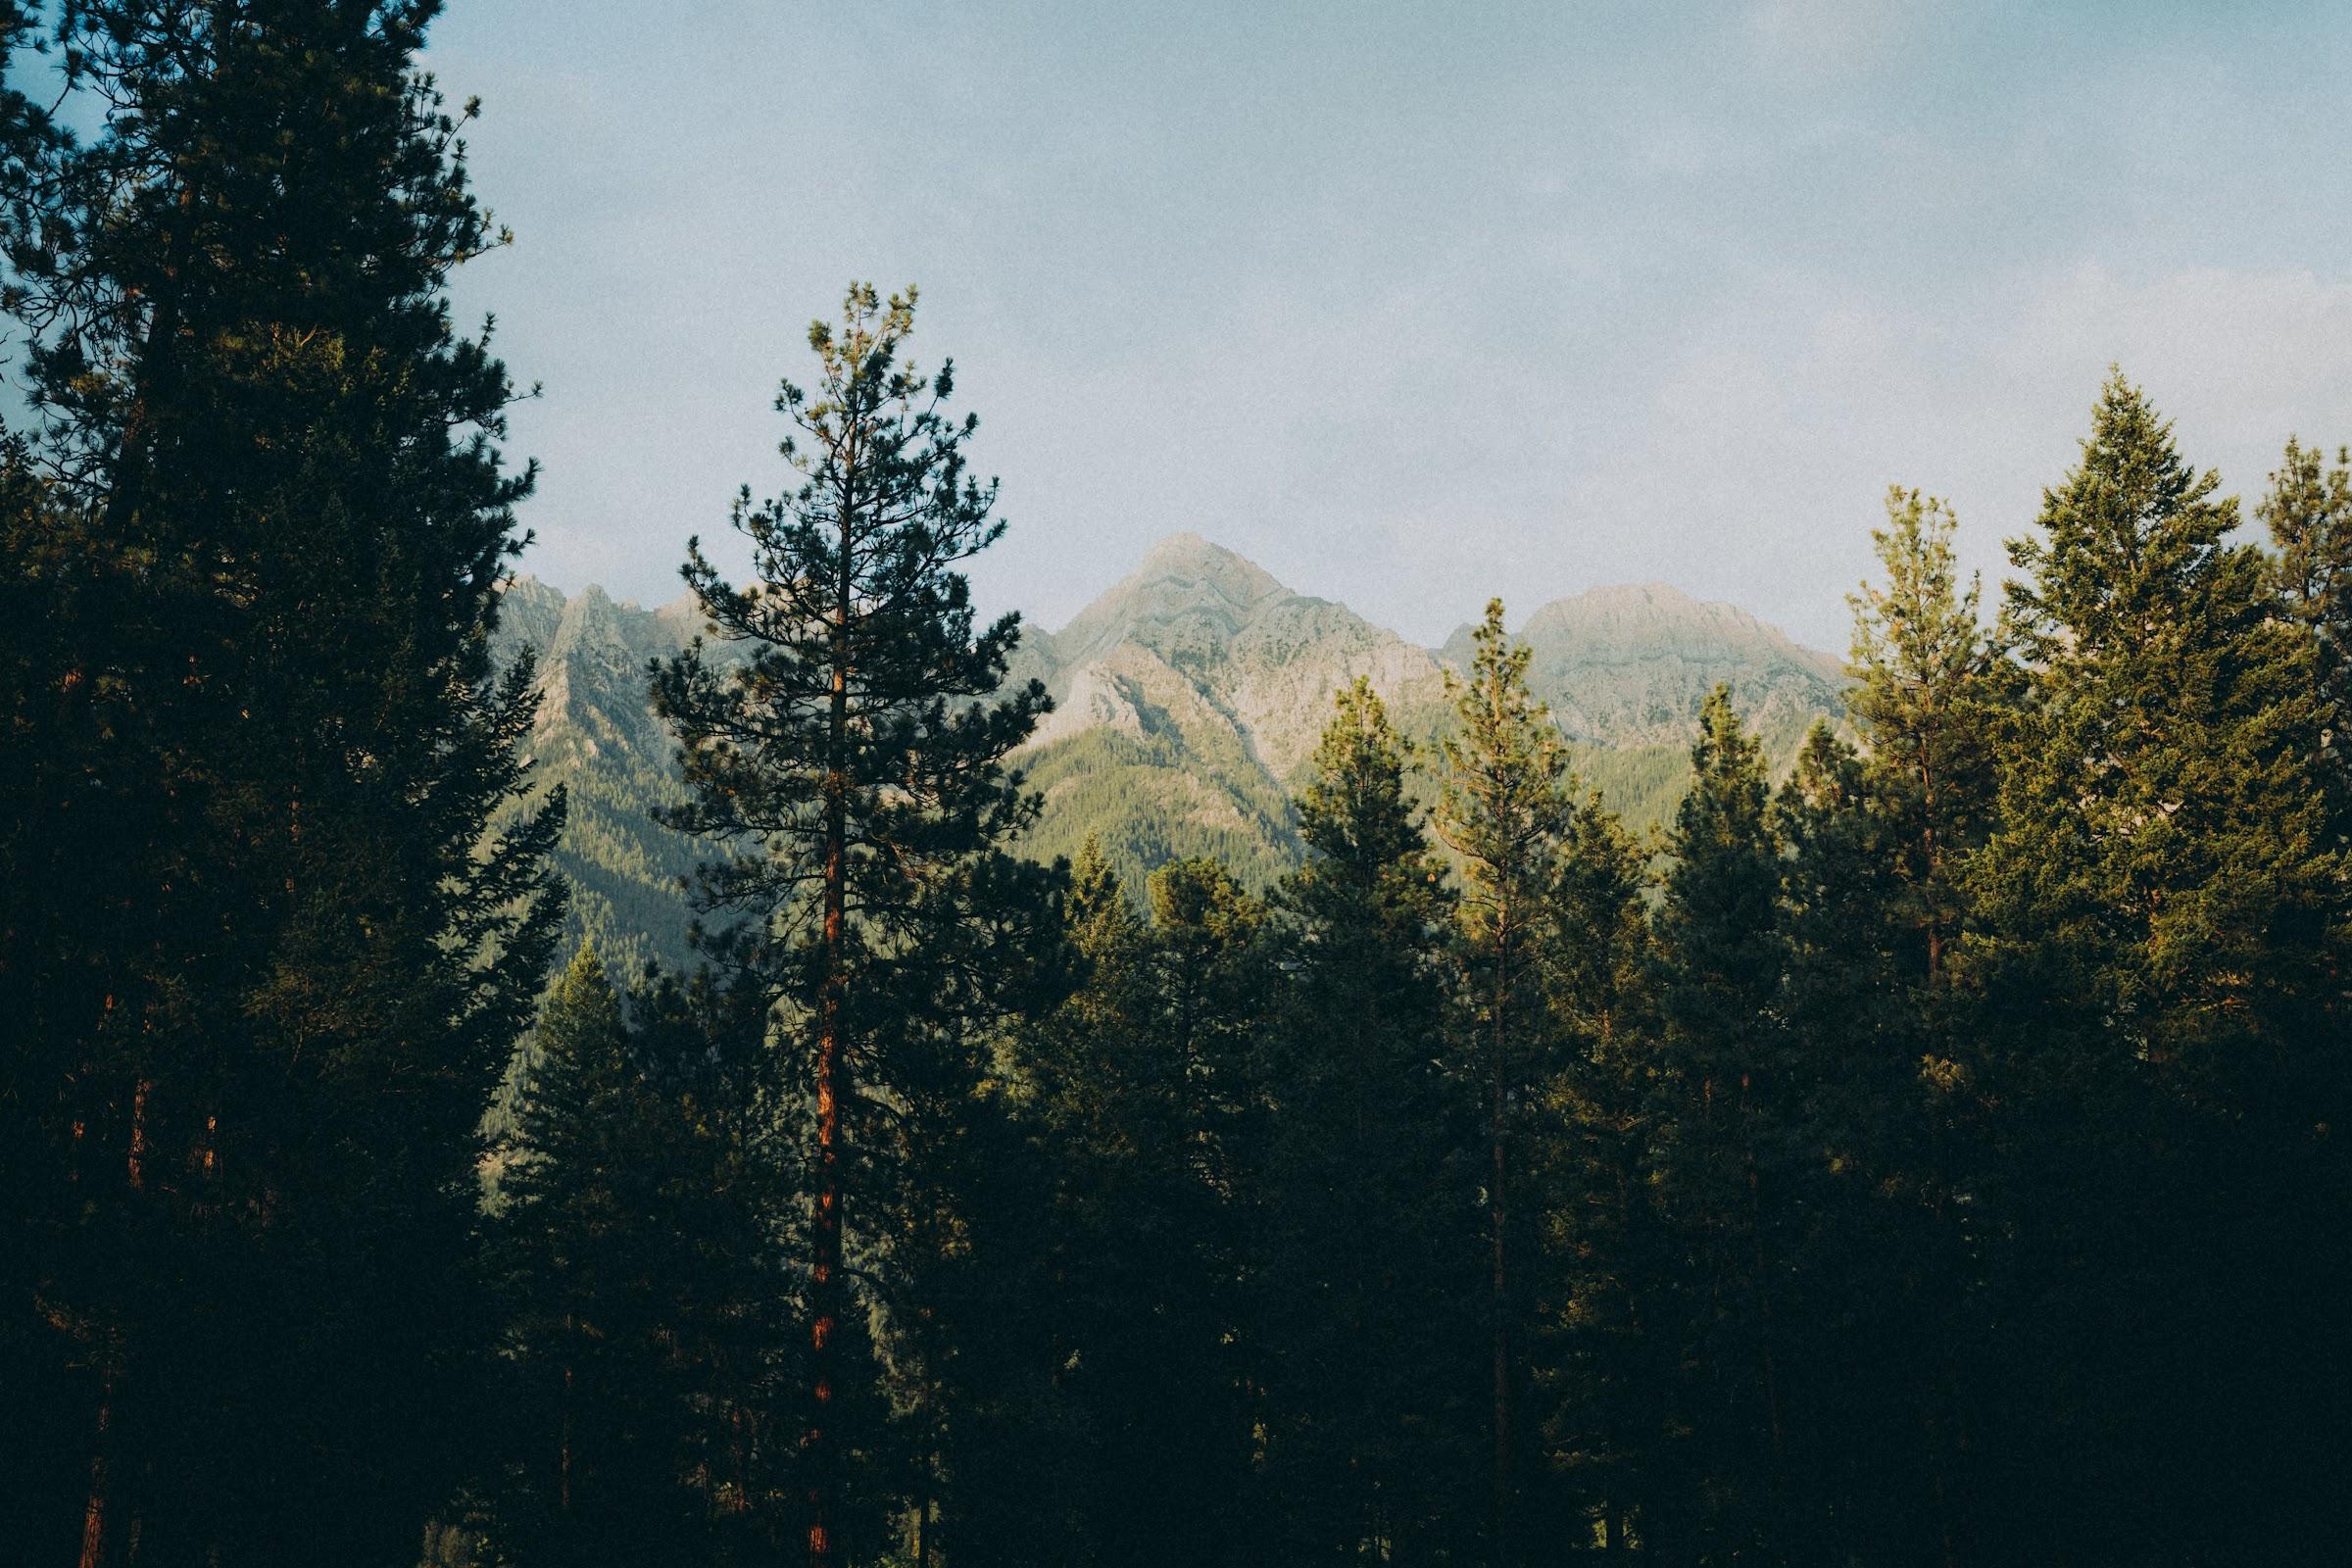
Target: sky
<point>1416,303</point>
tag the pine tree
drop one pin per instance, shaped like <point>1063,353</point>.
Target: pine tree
<point>853,761</point>
<point>1866,1242</point>
<point>1726,1090</point>
<point>1504,811</point>
<point>1145,1092</point>
<point>956,1231</point>
<point>1361,1288</point>
<point>2160,895</point>
<point>1878,891</point>
<point>297,953</point>
<point>579,1189</point>
<point>2308,513</point>
<point>1924,667</point>
<point>632,1244</point>
<point>1607,1373</point>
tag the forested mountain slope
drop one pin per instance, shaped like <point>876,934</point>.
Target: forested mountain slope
<point>1188,699</point>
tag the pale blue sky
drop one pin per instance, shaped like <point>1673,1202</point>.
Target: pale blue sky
<point>1417,303</point>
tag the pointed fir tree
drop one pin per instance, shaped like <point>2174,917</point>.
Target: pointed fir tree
<point>851,761</point>
<point>1504,810</point>
<point>2158,976</point>
<point>1144,1089</point>
<point>632,1241</point>
<point>1726,1087</point>
<point>1369,1329</point>
<point>954,1223</point>
<point>1879,906</point>
<point>1924,702</point>
<point>2308,512</point>
<point>1867,1252</point>
<point>600,1445</point>
<point>1605,1369</point>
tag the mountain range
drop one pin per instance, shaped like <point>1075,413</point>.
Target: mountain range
<point>1188,699</point>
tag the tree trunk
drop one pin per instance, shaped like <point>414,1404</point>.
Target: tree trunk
<point>1499,1101</point>
<point>136,1164</point>
<point>94,1510</point>
<point>826,1292</point>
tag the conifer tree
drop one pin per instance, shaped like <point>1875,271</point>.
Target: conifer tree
<point>1718,946</point>
<point>2308,513</point>
<point>2158,972</point>
<point>297,955</point>
<point>631,1232</point>
<point>1607,1376</point>
<point>1924,699</point>
<point>1143,1087</point>
<point>1363,1285</point>
<point>1504,811</point>
<point>852,764</point>
<point>579,1186</point>
<point>1878,890</point>
<point>1865,1242</point>
<point>956,1233</point>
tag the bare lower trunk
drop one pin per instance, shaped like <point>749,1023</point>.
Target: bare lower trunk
<point>826,1283</point>
<point>135,1162</point>
<point>94,1510</point>
<point>825,1294</point>
<point>1499,1095</point>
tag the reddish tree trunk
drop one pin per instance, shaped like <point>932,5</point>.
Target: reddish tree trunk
<point>94,1510</point>
<point>826,1281</point>
<point>1499,1096</point>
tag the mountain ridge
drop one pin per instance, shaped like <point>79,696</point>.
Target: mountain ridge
<point>1188,697</point>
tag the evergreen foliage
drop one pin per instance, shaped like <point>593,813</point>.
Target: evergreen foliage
<point>2162,905</point>
<point>1367,1235</point>
<point>633,1236</point>
<point>1504,811</point>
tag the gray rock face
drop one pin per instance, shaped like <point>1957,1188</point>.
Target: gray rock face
<point>1263,660</point>
<point>597,735</point>
<point>1630,665</point>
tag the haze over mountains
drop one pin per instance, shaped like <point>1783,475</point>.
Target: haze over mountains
<point>1188,699</point>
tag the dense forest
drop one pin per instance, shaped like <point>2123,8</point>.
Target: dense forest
<point>1930,1156</point>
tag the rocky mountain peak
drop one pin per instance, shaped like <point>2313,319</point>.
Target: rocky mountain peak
<point>1644,617</point>
<point>1631,664</point>
<point>1187,596</point>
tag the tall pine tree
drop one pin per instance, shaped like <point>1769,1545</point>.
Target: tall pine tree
<point>1504,811</point>
<point>2161,895</point>
<point>851,761</point>
<point>1366,1237</point>
<point>1726,1087</point>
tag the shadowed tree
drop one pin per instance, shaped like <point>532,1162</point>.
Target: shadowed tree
<point>1369,1230</point>
<point>265,954</point>
<point>1725,1082</point>
<point>1504,811</point>
<point>1607,1374</point>
<point>2161,904</point>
